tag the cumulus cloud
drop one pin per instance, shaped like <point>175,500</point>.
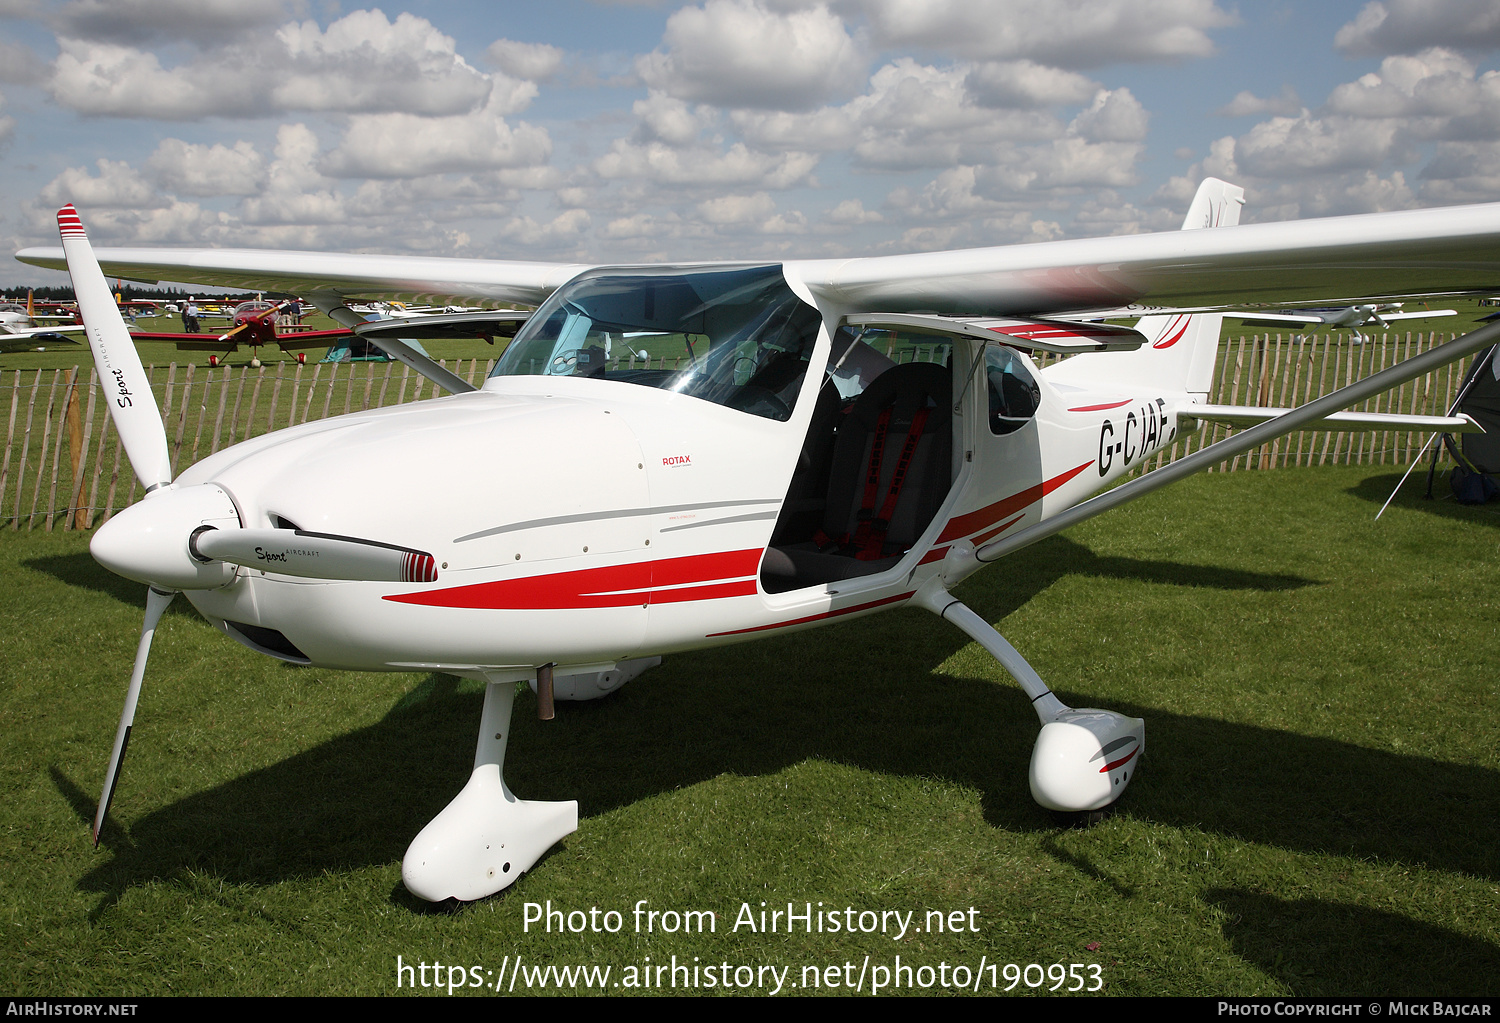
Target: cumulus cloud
<point>567,227</point>
<point>1064,165</point>
<point>1462,172</point>
<point>741,54</point>
<point>535,62</point>
<point>913,115</point>
<point>1344,156</point>
<point>668,119</point>
<point>1027,85</point>
<point>402,145</point>
<point>1406,26</point>
<point>1382,117</point>
<point>20,65</point>
<point>703,165</point>
<point>1292,147</point>
<point>189,169</point>
<point>363,62</point>
<point>117,186</point>
<point>136,21</point>
<point>1246,103</point>
<point>1435,90</point>
<point>1114,116</point>
<point>1080,34</point>
<point>851,213</point>
<point>737,209</point>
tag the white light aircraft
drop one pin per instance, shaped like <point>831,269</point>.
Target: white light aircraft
<point>19,331</point>
<point>1352,317</point>
<point>764,468</point>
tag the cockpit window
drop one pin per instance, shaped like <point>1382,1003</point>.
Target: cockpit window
<point>736,337</point>
<point>1014,394</point>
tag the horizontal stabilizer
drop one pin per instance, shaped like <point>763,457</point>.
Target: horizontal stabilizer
<point>1238,443</point>
<point>1350,422</point>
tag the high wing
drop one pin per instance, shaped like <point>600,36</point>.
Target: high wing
<point>1371,255</point>
<point>1378,255</point>
<point>405,278</point>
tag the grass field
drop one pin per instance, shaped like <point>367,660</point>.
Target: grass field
<point>1317,812</point>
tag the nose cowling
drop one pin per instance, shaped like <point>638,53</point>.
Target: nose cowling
<point>149,541</point>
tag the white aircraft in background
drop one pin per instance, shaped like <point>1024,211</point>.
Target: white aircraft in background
<point>19,331</point>
<point>1351,317</point>
<point>763,468</point>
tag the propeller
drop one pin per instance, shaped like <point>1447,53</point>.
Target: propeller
<point>189,537</point>
<point>255,322</point>
<point>156,603</point>
<point>138,421</point>
<point>131,403</point>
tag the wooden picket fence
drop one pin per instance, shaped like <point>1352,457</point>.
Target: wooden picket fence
<point>63,467</point>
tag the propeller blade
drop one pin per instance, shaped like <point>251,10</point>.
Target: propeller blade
<point>131,403</point>
<point>156,603</point>
<point>314,555</point>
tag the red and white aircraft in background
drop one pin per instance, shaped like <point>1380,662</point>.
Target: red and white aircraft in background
<point>763,468</point>
<point>19,327</point>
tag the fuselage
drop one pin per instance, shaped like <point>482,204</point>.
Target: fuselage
<point>583,520</point>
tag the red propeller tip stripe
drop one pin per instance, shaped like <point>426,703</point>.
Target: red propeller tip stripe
<point>69,223</point>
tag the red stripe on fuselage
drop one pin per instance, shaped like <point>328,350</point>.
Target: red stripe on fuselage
<point>611,586</point>
<point>815,618</point>
<point>972,522</point>
<point>1101,408</point>
<point>990,534</point>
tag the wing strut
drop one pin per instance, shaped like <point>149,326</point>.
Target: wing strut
<point>334,308</point>
<point>1394,376</point>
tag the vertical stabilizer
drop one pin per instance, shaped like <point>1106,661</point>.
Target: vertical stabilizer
<point>1181,347</point>
<point>1217,204</point>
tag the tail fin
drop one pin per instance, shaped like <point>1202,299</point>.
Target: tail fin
<point>1182,346</point>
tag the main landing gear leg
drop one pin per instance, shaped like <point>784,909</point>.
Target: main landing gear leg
<point>1083,759</point>
<point>486,837</point>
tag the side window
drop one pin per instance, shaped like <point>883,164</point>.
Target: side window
<point>1014,394</point>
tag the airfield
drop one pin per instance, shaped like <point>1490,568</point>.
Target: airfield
<point>1316,813</point>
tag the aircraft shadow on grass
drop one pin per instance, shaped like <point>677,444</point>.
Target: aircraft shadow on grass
<point>1376,489</point>
<point>83,571</point>
<point>1348,950</point>
<point>358,800</point>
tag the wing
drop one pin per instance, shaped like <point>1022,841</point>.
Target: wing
<point>407,278</point>
<point>23,339</point>
<point>1346,259</point>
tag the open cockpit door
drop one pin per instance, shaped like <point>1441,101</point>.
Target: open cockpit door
<point>877,462</point>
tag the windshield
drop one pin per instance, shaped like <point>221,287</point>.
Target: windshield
<point>738,337</point>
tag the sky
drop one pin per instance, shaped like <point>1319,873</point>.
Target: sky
<point>628,132</point>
